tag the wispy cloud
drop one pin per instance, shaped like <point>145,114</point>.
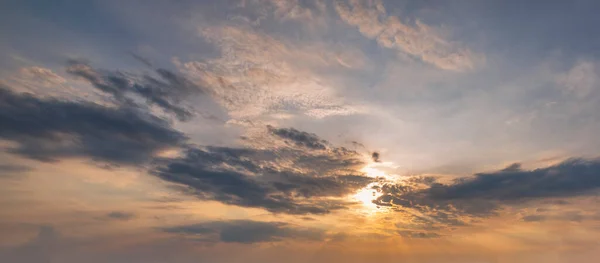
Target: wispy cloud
<point>581,80</point>
<point>252,83</point>
<point>419,40</point>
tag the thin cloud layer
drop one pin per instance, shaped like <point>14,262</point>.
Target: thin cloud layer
<point>252,84</point>
<point>246,232</point>
<point>418,40</point>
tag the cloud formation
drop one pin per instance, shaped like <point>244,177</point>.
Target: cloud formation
<point>455,204</point>
<point>418,40</point>
<point>165,90</point>
<point>51,129</point>
<point>289,180</point>
<point>570,178</point>
<point>251,83</point>
<point>299,138</point>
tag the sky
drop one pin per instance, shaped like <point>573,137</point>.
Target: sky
<point>296,131</point>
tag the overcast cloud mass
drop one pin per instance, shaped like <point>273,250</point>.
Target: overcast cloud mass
<point>299,131</point>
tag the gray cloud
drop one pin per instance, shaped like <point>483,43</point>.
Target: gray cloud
<point>246,231</point>
<point>258,178</point>
<point>375,157</point>
<point>165,90</point>
<point>50,129</point>
<point>118,215</point>
<point>297,179</point>
<point>571,178</point>
<point>300,138</point>
<point>451,205</point>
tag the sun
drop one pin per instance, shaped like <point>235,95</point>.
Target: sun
<point>366,196</point>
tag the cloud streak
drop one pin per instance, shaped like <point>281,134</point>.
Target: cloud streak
<point>246,232</point>
<point>418,40</point>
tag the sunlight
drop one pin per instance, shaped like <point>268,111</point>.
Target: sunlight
<point>366,196</point>
<point>373,170</point>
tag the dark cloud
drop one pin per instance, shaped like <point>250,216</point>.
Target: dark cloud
<point>120,215</point>
<point>165,89</point>
<point>257,178</point>
<point>483,194</point>
<point>299,138</point>
<point>375,157</point>
<point>50,129</point>
<point>296,180</point>
<point>571,178</point>
<point>246,231</point>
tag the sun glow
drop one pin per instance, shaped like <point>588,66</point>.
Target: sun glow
<point>366,196</point>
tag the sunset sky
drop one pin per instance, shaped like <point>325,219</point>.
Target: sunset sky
<point>293,131</point>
